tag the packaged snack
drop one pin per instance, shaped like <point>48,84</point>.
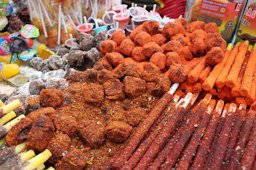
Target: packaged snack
<point>247,29</point>
<point>6,9</point>
<point>223,12</point>
<point>4,47</point>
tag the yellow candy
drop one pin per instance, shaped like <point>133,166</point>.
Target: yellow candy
<point>40,49</point>
<point>43,52</point>
<point>9,70</point>
<point>6,59</point>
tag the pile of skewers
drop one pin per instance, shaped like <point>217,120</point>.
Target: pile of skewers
<point>232,80</point>
<point>181,134</point>
<point>17,157</point>
<point>235,76</point>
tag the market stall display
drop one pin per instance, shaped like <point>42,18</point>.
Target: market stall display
<point>113,86</point>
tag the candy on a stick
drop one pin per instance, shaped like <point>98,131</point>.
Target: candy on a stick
<point>204,74</point>
<point>248,74</point>
<point>38,160</point>
<point>239,118</point>
<point>59,24</point>
<point>249,152</point>
<point>138,136</point>
<point>41,5</point>
<point>211,79</point>
<point>220,82</point>
<point>1,103</point>
<point>5,128</point>
<point>10,152</point>
<point>252,95</point>
<point>208,137</point>
<point>243,139</point>
<point>138,154</point>
<point>195,73</point>
<point>42,167</point>
<point>9,107</point>
<point>6,118</point>
<point>187,131</point>
<point>2,142</point>
<point>236,67</point>
<point>191,148</point>
<point>167,131</point>
<point>236,91</point>
<point>219,150</point>
<point>42,19</point>
<point>18,160</point>
<point>71,21</point>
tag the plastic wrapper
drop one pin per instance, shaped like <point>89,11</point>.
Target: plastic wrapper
<point>223,12</point>
<point>247,28</point>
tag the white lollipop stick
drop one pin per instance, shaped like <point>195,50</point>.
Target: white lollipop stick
<point>179,102</point>
<point>117,25</point>
<point>86,23</point>
<point>232,107</point>
<point>173,88</point>
<point>46,13</point>
<point>176,98</point>
<point>71,38</point>
<point>195,96</point>
<point>59,24</point>
<point>71,21</point>
<point>242,107</point>
<point>122,12</point>
<point>64,23</point>
<point>96,23</point>
<point>42,20</point>
<point>187,100</point>
<point>108,16</point>
<point>154,8</point>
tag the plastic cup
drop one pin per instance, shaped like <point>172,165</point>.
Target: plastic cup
<point>68,43</point>
<point>100,29</point>
<point>107,18</point>
<point>128,29</point>
<point>111,31</point>
<point>137,11</point>
<point>123,19</point>
<point>85,28</point>
<point>95,22</point>
<point>118,8</point>
<point>138,20</point>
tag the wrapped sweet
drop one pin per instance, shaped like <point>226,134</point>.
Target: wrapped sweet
<point>36,86</point>
<point>57,83</point>
<point>36,63</point>
<point>86,42</point>
<point>55,62</point>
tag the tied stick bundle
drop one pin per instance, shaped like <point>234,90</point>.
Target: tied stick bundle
<point>234,78</point>
<point>14,158</point>
<point>7,114</point>
<point>197,136</point>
